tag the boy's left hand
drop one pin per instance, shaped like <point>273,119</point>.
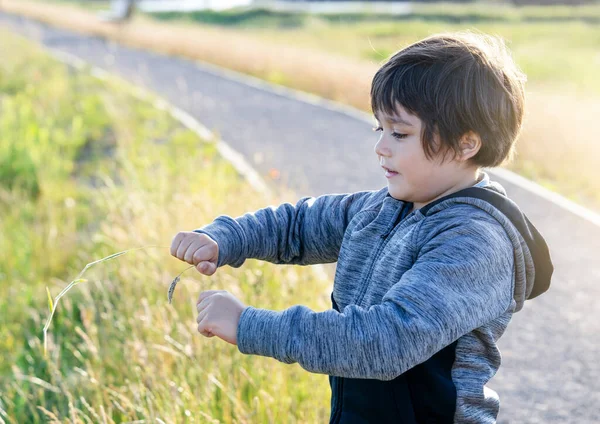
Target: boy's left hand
<point>219,314</point>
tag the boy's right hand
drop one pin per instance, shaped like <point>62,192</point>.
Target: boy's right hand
<point>196,249</point>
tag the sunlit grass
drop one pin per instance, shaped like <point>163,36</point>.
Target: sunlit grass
<point>117,351</point>
<point>52,303</point>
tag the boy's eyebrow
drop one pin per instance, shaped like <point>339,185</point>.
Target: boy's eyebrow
<point>396,120</point>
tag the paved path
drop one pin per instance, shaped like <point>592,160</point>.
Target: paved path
<point>550,369</point>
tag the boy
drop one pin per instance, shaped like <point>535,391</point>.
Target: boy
<point>430,268</point>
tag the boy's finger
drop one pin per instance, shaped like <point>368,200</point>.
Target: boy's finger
<point>201,315</point>
<point>201,253</point>
<point>175,243</point>
<point>206,294</point>
<point>207,334</point>
<point>191,251</point>
<point>183,247</point>
<point>206,268</point>
<point>202,330</point>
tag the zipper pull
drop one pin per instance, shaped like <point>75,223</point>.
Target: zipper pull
<point>396,221</point>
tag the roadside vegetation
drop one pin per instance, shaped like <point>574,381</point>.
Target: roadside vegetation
<point>87,170</point>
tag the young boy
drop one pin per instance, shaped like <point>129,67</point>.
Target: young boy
<point>430,268</point>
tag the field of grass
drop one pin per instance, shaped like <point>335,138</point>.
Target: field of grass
<point>336,57</point>
<point>87,170</point>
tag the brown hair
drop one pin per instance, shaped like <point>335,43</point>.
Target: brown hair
<point>455,83</point>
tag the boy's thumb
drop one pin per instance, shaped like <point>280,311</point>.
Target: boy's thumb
<point>206,268</point>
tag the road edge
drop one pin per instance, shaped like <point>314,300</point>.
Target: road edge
<point>225,150</point>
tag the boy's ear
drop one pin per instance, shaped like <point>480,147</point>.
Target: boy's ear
<point>470,143</point>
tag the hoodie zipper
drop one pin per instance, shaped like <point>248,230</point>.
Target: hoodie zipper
<point>399,218</point>
<point>340,380</point>
<point>390,230</point>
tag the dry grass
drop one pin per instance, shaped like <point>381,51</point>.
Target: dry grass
<point>52,304</point>
<point>558,146</point>
<point>117,351</point>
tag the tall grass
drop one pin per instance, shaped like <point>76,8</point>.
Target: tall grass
<point>114,173</point>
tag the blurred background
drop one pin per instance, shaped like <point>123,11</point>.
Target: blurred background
<point>90,167</point>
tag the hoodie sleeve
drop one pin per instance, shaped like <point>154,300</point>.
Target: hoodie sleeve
<point>462,278</point>
<point>307,233</point>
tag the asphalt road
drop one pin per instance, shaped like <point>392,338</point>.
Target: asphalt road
<point>550,370</point>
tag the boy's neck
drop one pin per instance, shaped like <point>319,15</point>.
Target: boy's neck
<point>476,178</point>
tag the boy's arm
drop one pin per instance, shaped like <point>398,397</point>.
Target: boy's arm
<point>310,232</point>
<point>457,284</point>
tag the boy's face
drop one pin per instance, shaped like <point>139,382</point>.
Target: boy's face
<point>418,179</point>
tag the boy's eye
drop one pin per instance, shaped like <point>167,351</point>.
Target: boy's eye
<point>394,134</point>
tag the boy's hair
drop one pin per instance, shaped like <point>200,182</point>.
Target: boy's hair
<point>455,83</point>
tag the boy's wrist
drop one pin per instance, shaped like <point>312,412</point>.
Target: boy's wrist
<point>221,233</point>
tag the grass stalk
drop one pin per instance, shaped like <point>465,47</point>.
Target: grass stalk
<point>53,304</point>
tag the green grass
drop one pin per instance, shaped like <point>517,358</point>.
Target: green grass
<point>89,170</point>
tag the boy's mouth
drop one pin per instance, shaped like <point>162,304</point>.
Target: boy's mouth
<point>389,173</point>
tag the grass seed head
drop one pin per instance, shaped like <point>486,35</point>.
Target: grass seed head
<point>172,287</point>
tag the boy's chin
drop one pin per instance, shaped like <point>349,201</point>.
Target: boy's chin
<point>399,194</point>
<point>395,193</point>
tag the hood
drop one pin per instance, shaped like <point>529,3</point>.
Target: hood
<point>534,272</point>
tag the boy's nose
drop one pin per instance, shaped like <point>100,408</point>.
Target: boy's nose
<point>380,150</point>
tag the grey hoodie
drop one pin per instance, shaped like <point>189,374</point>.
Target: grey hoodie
<point>407,286</point>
